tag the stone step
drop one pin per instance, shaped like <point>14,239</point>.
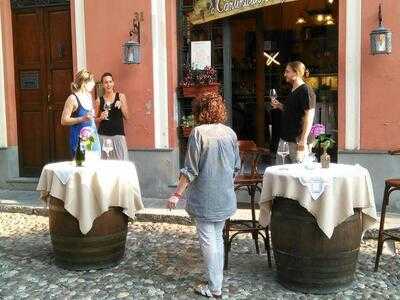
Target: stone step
<point>23,183</point>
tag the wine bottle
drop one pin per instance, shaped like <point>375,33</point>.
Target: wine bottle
<point>80,153</point>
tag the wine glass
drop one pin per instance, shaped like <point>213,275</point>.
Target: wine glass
<point>107,107</point>
<point>108,147</point>
<point>283,150</point>
<point>272,94</point>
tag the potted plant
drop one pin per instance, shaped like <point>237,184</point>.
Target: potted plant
<point>187,124</point>
<point>321,144</point>
<point>197,82</point>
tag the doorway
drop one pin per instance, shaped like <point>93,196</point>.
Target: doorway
<point>43,73</point>
<point>304,30</point>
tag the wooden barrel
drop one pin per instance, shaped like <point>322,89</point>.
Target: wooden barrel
<point>306,260</point>
<point>103,246</point>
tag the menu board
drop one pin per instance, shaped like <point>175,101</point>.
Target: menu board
<point>200,55</point>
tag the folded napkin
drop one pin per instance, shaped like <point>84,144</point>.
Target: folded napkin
<point>316,184</point>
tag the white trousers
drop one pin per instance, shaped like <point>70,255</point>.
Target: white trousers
<point>212,248</point>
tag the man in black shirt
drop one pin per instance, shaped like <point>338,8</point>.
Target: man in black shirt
<point>297,112</point>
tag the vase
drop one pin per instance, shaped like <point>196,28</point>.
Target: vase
<point>325,160</point>
<point>200,89</point>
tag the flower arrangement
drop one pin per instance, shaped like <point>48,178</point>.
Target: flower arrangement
<point>87,137</point>
<point>192,77</point>
<point>321,139</point>
<point>321,144</point>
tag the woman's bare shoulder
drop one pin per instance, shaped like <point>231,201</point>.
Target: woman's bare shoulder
<point>72,100</point>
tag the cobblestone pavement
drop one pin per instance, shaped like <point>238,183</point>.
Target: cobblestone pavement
<point>162,262</point>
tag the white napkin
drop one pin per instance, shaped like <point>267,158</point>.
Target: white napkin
<point>316,184</point>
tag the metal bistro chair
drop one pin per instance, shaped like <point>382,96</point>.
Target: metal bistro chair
<point>391,185</point>
<point>248,179</point>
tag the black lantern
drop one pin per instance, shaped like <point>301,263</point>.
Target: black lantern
<point>381,38</point>
<point>131,49</point>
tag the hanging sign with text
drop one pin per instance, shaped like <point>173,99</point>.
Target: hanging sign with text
<point>209,10</point>
<point>200,55</point>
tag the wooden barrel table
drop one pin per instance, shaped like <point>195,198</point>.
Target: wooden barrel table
<point>308,261</point>
<point>103,246</point>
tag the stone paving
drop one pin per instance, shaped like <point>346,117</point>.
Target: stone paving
<point>162,262</point>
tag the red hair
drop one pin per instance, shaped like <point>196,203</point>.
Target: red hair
<point>209,109</point>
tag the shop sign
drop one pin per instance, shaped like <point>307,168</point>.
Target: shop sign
<point>208,10</point>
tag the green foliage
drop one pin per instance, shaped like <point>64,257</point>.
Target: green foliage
<point>89,143</point>
<point>188,121</point>
<point>324,141</point>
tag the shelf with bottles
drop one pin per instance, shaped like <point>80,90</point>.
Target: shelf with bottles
<point>324,84</point>
<point>307,34</point>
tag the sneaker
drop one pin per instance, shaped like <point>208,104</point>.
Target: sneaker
<point>204,290</point>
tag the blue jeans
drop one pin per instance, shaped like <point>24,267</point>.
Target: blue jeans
<point>212,248</point>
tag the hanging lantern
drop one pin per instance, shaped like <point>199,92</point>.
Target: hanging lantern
<point>131,52</point>
<point>381,38</point>
<point>131,48</point>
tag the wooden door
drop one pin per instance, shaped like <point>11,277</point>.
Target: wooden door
<point>43,70</point>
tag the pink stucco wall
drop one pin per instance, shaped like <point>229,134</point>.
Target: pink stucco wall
<point>11,111</point>
<point>107,28</point>
<point>380,82</point>
<point>172,63</point>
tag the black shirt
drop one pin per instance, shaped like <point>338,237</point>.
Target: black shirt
<point>115,124</point>
<point>299,101</point>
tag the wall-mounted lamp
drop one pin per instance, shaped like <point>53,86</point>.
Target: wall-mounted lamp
<point>131,48</point>
<point>381,38</point>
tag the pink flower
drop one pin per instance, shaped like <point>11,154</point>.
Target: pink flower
<point>317,129</point>
<point>85,133</point>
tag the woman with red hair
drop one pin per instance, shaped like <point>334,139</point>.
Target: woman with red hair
<point>212,158</point>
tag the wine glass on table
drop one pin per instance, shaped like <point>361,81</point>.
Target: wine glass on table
<point>108,147</point>
<point>283,150</point>
<point>107,107</point>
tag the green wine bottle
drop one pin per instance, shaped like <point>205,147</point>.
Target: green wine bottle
<point>80,153</point>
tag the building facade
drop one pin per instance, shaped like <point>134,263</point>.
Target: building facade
<point>43,43</point>
<point>47,42</point>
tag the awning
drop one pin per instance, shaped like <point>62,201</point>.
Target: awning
<point>209,10</point>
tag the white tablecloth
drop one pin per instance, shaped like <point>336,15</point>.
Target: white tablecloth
<point>92,189</point>
<point>349,187</point>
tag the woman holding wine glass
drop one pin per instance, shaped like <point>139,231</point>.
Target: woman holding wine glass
<point>78,110</point>
<point>297,113</point>
<point>111,110</point>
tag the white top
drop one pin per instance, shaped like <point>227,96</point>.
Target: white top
<point>341,188</point>
<point>89,191</point>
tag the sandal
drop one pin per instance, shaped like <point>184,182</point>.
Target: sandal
<point>204,291</point>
